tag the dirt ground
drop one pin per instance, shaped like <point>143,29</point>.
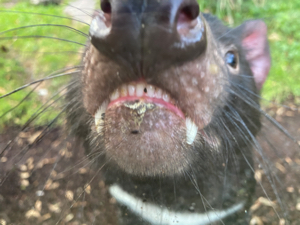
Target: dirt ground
<point>50,181</point>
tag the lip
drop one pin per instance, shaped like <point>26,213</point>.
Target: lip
<point>156,101</point>
<point>141,92</point>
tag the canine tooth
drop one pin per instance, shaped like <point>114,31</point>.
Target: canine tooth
<point>158,93</point>
<point>131,89</point>
<point>166,97</point>
<point>191,131</point>
<point>123,90</point>
<point>99,116</point>
<point>140,90</point>
<point>150,91</point>
<point>115,95</point>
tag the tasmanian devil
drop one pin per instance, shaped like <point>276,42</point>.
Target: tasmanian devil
<point>168,101</point>
<point>167,104</point>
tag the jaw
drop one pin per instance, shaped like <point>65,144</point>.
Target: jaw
<point>150,143</point>
<point>154,132</point>
<point>144,132</point>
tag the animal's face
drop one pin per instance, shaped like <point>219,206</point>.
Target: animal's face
<point>159,78</point>
<point>171,95</point>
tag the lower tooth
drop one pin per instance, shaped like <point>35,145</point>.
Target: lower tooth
<point>99,116</point>
<point>191,131</point>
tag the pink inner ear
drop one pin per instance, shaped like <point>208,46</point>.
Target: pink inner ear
<point>255,42</point>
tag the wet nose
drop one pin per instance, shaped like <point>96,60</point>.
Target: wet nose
<point>149,35</point>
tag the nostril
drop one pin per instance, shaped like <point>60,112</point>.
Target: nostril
<point>189,27</point>
<point>106,6</point>
<point>188,13</point>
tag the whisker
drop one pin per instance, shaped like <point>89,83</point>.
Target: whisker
<point>28,146</point>
<point>238,85</point>
<point>79,9</point>
<point>40,80</point>
<point>45,25</point>
<point>257,148</point>
<point>16,106</point>
<point>43,14</point>
<point>84,189</point>
<point>42,109</point>
<point>193,179</point>
<point>248,100</point>
<point>40,36</point>
<point>51,53</point>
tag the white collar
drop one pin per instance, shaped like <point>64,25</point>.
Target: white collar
<point>157,215</point>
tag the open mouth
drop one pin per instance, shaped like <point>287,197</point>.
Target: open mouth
<point>142,97</point>
<point>147,93</point>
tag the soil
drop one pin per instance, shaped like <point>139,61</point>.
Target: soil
<point>48,180</point>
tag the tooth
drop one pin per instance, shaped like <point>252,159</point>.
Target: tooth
<point>150,91</point>
<point>140,90</point>
<point>123,91</point>
<point>166,97</point>
<point>115,95</point>
<point>131,90</point>
<point>191,131</point>
<point>99,116</point>
<point>158,93</point>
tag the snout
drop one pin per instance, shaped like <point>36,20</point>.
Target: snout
<point>147,36</point>
<point>151,75</point>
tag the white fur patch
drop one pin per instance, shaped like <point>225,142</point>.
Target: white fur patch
<point>157,215</point>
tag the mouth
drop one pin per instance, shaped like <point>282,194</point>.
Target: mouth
<point>142,97</point>
<point>143,92</point>
<point>145,132</point>
<point>154,125</point>
<point>151,126</point>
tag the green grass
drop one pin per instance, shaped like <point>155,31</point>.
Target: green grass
<point>282,18</point>
<point>23,60</point>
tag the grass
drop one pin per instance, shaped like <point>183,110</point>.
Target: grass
<point>23,60</point>
<point>281,17</point>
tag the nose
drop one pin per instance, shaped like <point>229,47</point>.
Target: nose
<point>149,35</point>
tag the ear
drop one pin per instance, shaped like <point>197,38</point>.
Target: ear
<point>255,43</point>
